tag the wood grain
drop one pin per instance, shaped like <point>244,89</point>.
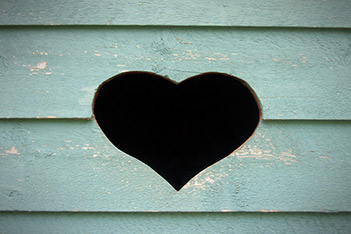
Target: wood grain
<point>181,223</point>
<point>274,13</point>
<point>68,165</point>
<point>53,72</point>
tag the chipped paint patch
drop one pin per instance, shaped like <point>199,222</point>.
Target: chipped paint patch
<point>86,148</point>
<point>41,65</point>
<point>41,52</point>
<point>288,156</point>
<point>253,152</point>
<point>249,151</point>
<point>190,55</point>
<point>13,150</point>
<point>202,180</point>
<point>210,59</point>
<point>184,42</point>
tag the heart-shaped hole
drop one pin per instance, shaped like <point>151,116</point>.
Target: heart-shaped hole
<point>178,129</point>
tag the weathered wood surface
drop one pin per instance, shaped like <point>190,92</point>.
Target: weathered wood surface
<point>275,13</point>
<point>67,165</point>
<point>302,223</point>
<point>53,72</point>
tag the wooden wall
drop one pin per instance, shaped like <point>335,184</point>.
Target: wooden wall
<point>59,173</point>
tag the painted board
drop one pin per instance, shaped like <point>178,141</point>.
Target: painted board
<point>302,223</point>
<point>53,72</point>
<point>273,13</point>
<point>69,165</point>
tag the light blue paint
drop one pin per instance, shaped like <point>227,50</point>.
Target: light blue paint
<point>67,165</point>
<point>54,71</point>
<point>62,165</point>
<point>124,223</point>
<point>277,13</point>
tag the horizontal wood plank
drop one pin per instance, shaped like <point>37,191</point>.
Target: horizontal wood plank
<point>69,165</point>
<point>272,13</point>
<point>54,72</point>
<point>240,223</point>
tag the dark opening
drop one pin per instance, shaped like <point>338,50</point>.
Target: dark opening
<point>178,129</point>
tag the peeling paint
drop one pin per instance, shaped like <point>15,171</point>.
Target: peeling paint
<point>190,55</point>
<point>41,65</point>
<point>86,148</point>
<point>201,180</point>
<point>325,157</point>
<point>13,150</point>
<point>248,151</point>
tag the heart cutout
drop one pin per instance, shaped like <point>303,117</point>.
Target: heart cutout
<point>178,129</point>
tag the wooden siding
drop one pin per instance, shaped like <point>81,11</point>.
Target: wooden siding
<point>273,13</point>
<point>180,223</point>
<point>62,165</point>
<point>60,174</point>
<point>296,73</point>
